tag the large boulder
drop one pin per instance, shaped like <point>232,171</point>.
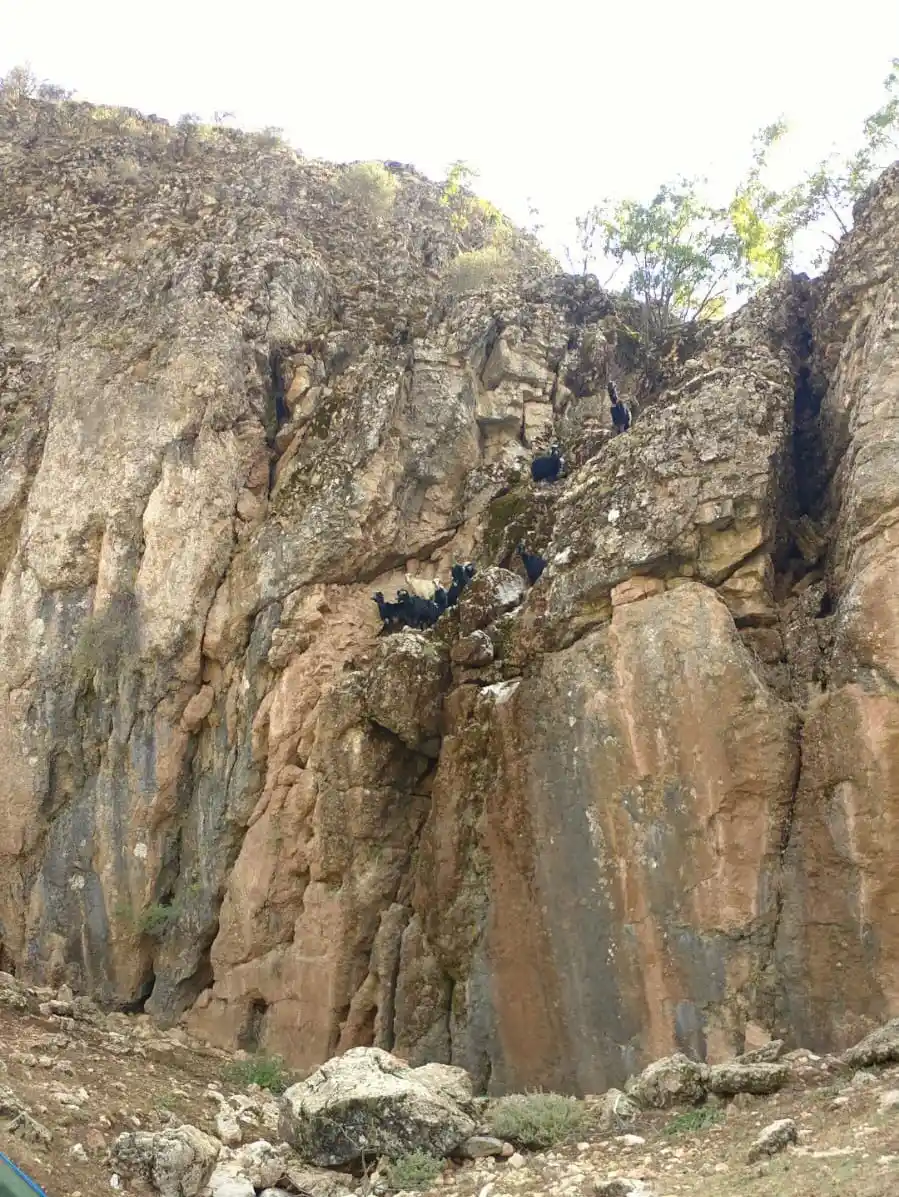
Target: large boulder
<point>404,690</point>
<point>675,1080</point>
<point>259,1165</point>
<point>729,1079</point>
<point>880,1047</point>
<point>177,1163</point>
<point>369,1102</point>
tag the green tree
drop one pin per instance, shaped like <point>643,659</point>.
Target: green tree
<point>767,221</point>
<point>466,207</point>
<point>681,255</point>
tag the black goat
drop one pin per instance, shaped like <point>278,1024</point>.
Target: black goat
<point>391,613</point>
<point>621,413</point>
<point>461,575</point>
<point>534,564</point>
<point>548,466</point>
<point>418,612</point>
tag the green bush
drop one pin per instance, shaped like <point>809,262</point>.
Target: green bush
<point>156,918</point>
<point>268,1072</point>
<point>691,1121</point>
<point>417,1170</point>
<point>536,1120</point>
<point>370,185</point>
<point>479,268</point>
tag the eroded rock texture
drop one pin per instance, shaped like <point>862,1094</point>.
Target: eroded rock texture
<point>642,807</point>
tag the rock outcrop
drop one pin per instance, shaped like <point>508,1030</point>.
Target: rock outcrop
<point>642,807</point>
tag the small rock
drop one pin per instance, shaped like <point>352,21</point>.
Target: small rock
<point>620,1186</point>
<point>889,1100</point>
<point>766,1053</point>
<point>77,1152</point>
<point>516,1160</point>
<point>479,1146</point>
<point>774,1138</point>
<point>630,1140</point>
<point>29,1129</point>
<point>227,1128</point>
<point>863,1080</point>
<point>473,650</point>
<point>617,1110</point>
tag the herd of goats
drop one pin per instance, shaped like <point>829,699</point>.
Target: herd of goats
<point>425,600</point>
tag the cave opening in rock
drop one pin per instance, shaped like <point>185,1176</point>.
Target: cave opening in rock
<point>145,990</point>
<point>250,1035</point>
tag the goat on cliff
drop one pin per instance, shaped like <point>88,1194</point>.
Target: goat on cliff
<point>391,613</point>
<point>423,587</point>
<point>547,466</point>
<point>534,564</point>
<point>621,413</point>
<point>461,575</point>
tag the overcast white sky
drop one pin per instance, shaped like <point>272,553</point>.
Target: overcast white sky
<point>561,101</point>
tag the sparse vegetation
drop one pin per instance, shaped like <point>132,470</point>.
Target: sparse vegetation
<point>690,1121</point>
<point>269,1072</point>
<point>155,919</point>
<point>369,185</point>
<point>536,1120</point>
<point>21,83</point>
<point>479,268</point>
<point>417,1170</point>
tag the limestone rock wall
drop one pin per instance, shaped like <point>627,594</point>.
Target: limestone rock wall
<point>645,804</point>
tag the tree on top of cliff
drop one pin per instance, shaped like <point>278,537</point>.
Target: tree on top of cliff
<point>21,83</point>
<point>680,253</point>
<point>768,221</point>
<point>684,257</point>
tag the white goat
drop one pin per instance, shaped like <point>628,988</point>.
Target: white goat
<point>423,587</point>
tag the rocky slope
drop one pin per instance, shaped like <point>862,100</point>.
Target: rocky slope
<point>92,1103</point>
<point>645,805</point>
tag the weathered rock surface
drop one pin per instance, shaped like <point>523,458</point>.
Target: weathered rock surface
<point>880,1047</point>
<point>674,1080</point>
<point>775,1137</point>
<point>564,833</point>
<point>368,1102</point>
<point>729,1079</point>
<point>177,1163</point>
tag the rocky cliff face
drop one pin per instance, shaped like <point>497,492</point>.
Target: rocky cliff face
<point>645,804</point>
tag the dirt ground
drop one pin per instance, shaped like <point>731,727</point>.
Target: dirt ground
<point>85,1084</point>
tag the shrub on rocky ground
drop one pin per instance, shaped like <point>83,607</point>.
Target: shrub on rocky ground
<point>691,1121</point>
<point>417,1170</point>
<point>536,1120</point>
<point>268,1072</point>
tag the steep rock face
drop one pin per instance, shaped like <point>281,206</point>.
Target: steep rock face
<point>631,796</point>
<point>555,837</point>
<point>840,936</point>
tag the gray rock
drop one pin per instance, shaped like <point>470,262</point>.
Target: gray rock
<point>480,1146</point>
<point>880,1047</point>
<point>367,1101</point>
<point>227,1128</point>
<point>30,1130</point>
<point>617,1110</point>
<point>176,1162</point>
<point>774,1138</point>
<point>766,1054</point>
<point>621,1186</point>
<point>729,1079</point>
<point>10,1105</point>
<point>473,650</point>
<point>317,1182</point>
<point>674,1080</point>
<point>488,595</point>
